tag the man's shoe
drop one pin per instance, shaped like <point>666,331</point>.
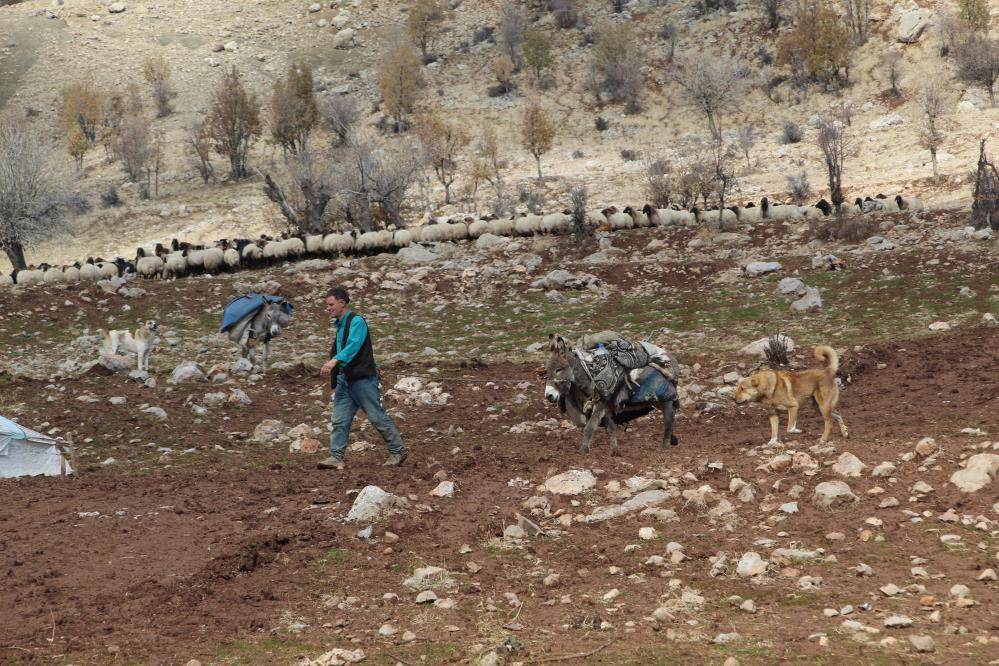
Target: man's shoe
<point>331,463</point>
<point>395,460</point>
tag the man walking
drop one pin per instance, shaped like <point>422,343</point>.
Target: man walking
<point>354,377</point>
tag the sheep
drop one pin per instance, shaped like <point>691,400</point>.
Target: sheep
<point>214,260</point>
<point>148,267</point>
<point>501,227</point>
<point>72,273</point>
<point>749,213</point>
<point>908,203</point>
<point>810,212</point>
<point>528,225</point>
<point>434,232</point>
<point>338,243</point>
<point>274,251</point>
<point>556,223</point>
<point>888,205</point>
<point>314,244</point>
<point>723,217</point>
<point>88,271</point>
<point>230,258</point>
<point>30,276</point>
<point>781,211</point>
<point>639,218</point>
<point>107,270</point>
<point>373,241</point>
<point>596,218</point>
<point>8,280</point>
<point>253,253</point>
<point>176,264</point>
<point>402,238</point>
<point>293,248</point>
<point>457,231</point>
<point>195,258</point>
<point>618,221</point>
<point>53,275</point>
<point>478,228</point>
<point>824,206</point>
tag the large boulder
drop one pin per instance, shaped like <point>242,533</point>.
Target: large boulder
<point>371,504</point>
<point>489,241</point>
<point>978,472</point>
<point>416,254</point>
<point>757,268</point>
<point>911,25</point>
<point>188,371</point>
<point>810,302</point>
<point>832,493</point>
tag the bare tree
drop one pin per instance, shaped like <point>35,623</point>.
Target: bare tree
<point>798,186</point>
<point>616,65</point>
<point>975,14</point>
<point>660,180</point>
<point>305,193</point>
<point>35,200</point>
<point>985,199</point>
<point>375,175</point>
<point>156,71</point>
<point>155,163</point>
<point>833,143</point>
<point>858,16</point>
<point>934,104</point>
<point>669,33</point>
<point>82,106</point>
<point>950,30</point>
<point>978,62</point>
<point>234,122</point>
<point>503,70</point>
<point>745,139</point>
<point>399,78</point>
<point>198,144</point>
<point>489,166</point>
<point>537,132</point>
<point>566,13</point>
<point>512,26</point>
<point>891,62</point>
<point>710,84</point>
<point>581,228</point>
<point>339,114</point>
<point>442,141</point>
<point>771,9</point>
<point>293,107</point>
<point>423,22</point>
<point>133,145</point>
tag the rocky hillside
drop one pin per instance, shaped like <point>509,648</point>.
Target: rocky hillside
<point>45,45</point>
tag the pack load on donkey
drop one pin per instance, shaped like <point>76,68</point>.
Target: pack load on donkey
<point>609,380</point>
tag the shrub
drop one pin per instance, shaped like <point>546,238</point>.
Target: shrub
<point>399,78</point>
<point>423,22</point>
<point>565,13</point>
<point>601,123</point>
<point>156,71</point>
<point>617,63</point>
<point>537,52</point>
<point>294,111</point>
<point>705,7</point>
<point>977,59</point>
<point>817,46</point>
<point>484,34</point>
<point>110,198</point>
<point>537,132</point>
<point>512,26</point>
<point>791,132</point>
<point>799,187</point>
<point>233,123</point>
<point>629,155</point>
<point>852,229</point>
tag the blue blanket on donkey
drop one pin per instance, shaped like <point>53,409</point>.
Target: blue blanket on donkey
<point>243,306</point>
<point>653,388</point>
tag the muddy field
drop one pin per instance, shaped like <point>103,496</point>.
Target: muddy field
<point>187,539</point>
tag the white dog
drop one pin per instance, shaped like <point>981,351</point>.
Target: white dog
<point>138,342</point>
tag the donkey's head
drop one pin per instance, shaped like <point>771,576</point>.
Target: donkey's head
<point>558,371</point>
<point>276,318</point>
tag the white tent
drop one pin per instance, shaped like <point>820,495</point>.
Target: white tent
<point>24,452</point>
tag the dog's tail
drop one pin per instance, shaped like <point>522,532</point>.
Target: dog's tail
<point>829,356</point>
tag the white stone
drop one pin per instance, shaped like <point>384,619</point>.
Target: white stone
<point>922,643</point>
<point>116,7</point>
<point>426,597</point>
<point>978,472</point>
<point>883,470</point>
<point>849,465</point>
<point>898,622</point>
<point>791,285</point>
<point>811,301</point>
<point>757,268</point>
<point>648,533</point>
<point>830,493</point>
<point>573,482</point>
<point>911,25</point>
<point>188,371</point>
<point>751,564</point>
<point>443,489</point>
<point>371,504</point>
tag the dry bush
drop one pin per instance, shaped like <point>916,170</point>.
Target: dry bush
<point>306,192</point>
<point>233,122</point>
<point>503,70</point>
<point>510,32</point>
<point>834,144</point>
<point>985,198</point>
<point>934,103</point>
<point>668,34</point>
<point>818,46</point>
<point>659,181</point>
<point>339,114</point>
<point>891,63</point>
<point>399,78</point>
<point>293,109</point>
<point>35,196</point>
<point>791,132</point>
<point>771,9</point>
<point>977,59</point>
<point>198,146</point>
<point>702,8</point>
<point>617,65</point>
<point>565,12</point>
<point>851,229</point>
<point>423,23</point>
<point>82,107</point>
<point>442,142</point>
<point>710,84</point>
<point>798,186</point>
<point>133,144</point>
<point>77,145</point>
<point>578,198</point>
<point>975,14</point>
<point>858,16</point>
<point>745,139</point>
<point>488,166</point>
<point>156,71</point>
<point>537,132</point>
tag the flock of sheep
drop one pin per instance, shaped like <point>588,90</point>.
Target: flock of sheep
<point>179,259</point>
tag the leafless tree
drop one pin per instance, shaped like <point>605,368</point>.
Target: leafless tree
<point>771,9</point>
<point>985,199</point>
<point>376,175</point>
<point>858,16</point>
<point>891,61</point>
<point>711,85</point>
<point>581,229</point>
<point>133,143</point>
<point>442,141</point>
<point>798,186</point>
<point>234,122</point>
<point>423,22</point>
<point>156,71</point>
<point>746,139</point>
<point>35,199</point>
<point>660,180</point>
<point>198,145</point>
<point>833,143</point>
<point>489,166</point>
<point>977,58</point>
<point>510,33</point>
<point>339,114</point>
<point>306,191</point>
<point>616,65</point>
<point>934,104</point>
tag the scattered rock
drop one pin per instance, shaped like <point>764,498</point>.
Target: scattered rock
<point>116,8</point>
<point>978,472</point>
<point>922,643</point>
<point>898,622</point>
<point>573,482</point>
<point>832,493</point>
<point>188,371</point>
<point>751,564</point>
<point>759,347</point>
<point>791,285</point>
<point>757,268</point>
<point>811,301</point>
<point>268,430</point>
<point>371,504</point>
<point>911,25</point>
<point>849,465</point>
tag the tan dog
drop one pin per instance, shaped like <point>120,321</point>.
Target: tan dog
<point>140,342</point>
<point>779,390</point>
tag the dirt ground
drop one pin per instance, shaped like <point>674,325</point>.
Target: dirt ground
<point>198,542</point>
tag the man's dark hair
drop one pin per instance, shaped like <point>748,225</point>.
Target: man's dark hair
<point>339,293</point>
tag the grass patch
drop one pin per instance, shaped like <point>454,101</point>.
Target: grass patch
<point>333,557</point>
<point>266,651</point>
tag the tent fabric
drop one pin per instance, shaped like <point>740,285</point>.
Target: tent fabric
<point>25,452</point>
<point>242,307</point>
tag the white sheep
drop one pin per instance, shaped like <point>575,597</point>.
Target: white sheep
<point>274,251</point>
<point>723,217</point>
<point>213,259</point>
<point>175,265</point>
<point>783,212</point>
<point>338,243</point>
<point>402,238</point>
<point>294,247</point>
<point>556,223</point>
<point>107,270</point>
<point>527,225</point>
<point>596,218</point>
<point>810,212</point>
<point>230,257</point>
<point>457,231</point>
<point>6,280</point>
<point>52,276</point>
<point>619,221</point>
<point>149,267</point>
<point>195,259</point>
<point>501,227</point>
<point>911,204</point>
<point>638,217</point>
<point>749,213</point>
<point>253,253</point>
<point>478,228</point>
<point>71,274</point>
<point>89,273</point>
<point>31,276</point>
<point>314,244</point>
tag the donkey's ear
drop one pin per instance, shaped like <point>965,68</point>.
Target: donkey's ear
<point>560,345</point>
<point>551,342</point>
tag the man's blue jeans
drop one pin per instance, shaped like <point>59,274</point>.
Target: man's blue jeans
<point>363,394</point>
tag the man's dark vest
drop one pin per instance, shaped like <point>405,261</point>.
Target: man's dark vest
<point>363,365</point>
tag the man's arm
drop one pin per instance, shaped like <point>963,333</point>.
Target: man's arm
<point>352,345</point>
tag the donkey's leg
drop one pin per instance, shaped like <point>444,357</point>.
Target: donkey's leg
<point>266,354</point>
<point>611,433</point>
<point>591,426</point>
<point>669,412</point>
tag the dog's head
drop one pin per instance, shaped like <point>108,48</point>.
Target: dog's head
<point>148,325</point>
<point>756,387</point>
